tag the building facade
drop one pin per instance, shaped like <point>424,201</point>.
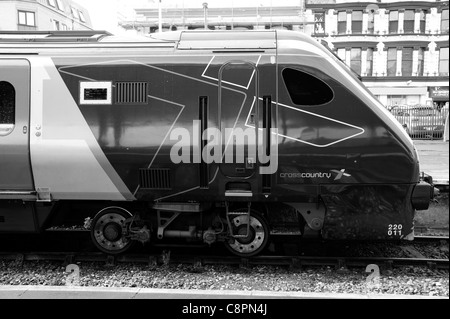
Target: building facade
<point>399,47</point>
<point>43,15</point>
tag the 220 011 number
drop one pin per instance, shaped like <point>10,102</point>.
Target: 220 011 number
<point>395,229</point>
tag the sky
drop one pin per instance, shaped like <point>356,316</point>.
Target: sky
<point>106,13</point>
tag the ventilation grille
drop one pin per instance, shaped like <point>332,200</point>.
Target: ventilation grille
<point>155,178</point>
<point>131,92</point>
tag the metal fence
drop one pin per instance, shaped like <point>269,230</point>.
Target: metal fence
<point>421,122</point>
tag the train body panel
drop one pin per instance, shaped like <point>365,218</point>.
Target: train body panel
<point>66,159</point>
<point>256,118</point>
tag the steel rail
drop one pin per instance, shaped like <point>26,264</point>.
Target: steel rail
<point>290,261</point>
<point>430,239</point>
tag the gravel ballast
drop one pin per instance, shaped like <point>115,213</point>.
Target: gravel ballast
<point>400,281</point>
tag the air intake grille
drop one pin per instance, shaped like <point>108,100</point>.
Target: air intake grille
<point>131,92</point>
<point>155,178</point>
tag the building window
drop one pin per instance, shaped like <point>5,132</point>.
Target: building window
<point>341,54</point>
<point>393,22</point>
<point>408,21</point>
<point>369,67</point>
<point>52,3</point>
<point>7,103</point>
<point>60,5</point>
<point>371,22</point>
<point>355,60</point>
<point>444,21</point>
<point>421,61</point>
<point>422,21</point>
<point>56,25</point>
<point>391,61</point>
<point>82,18</point>
<point>319,22</point>
<point>357,17</point>
<point>75,13</point>
<point>342,22</point>
<point>443,61</point>
<point>306,89</point>
<point>27,18</point>
<point>407,61</point>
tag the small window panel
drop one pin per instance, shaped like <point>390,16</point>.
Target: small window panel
<point>52,3</point>
<point>95,93</point>
<point>7,108</point>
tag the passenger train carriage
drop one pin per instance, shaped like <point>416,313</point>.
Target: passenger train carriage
<point>198,136</point>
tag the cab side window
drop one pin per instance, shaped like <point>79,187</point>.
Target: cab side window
<point>7,103</point>
<point>306,89</point>
<point>7,107</point>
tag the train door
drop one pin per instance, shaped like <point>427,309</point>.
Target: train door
<point>238,91</point>
<point>246,105</point>
<point>15,166</point>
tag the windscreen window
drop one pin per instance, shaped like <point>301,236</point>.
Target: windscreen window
<point>306,89</point>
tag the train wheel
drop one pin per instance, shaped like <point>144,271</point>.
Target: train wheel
<point>257,239</point>
<point>106,230</point>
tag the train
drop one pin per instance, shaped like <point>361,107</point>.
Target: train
<point>205,137</point>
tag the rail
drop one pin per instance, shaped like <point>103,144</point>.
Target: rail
<point>200,261</point>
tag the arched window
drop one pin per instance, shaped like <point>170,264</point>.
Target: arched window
<point>306,89</point>
<point>7,103</point>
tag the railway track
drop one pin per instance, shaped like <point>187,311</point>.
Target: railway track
<point>198,258</point>
<point>431,239</point>
<point>156,260</point>
<point>422,229</point>
<point>79,240</point>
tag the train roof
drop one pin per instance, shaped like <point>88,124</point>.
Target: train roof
<point>52,36</point>
<point>180,40</point>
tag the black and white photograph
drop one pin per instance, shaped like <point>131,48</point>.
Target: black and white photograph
<point>224,158</point>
